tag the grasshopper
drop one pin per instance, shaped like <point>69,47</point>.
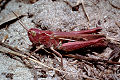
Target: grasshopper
<point>66,41</point>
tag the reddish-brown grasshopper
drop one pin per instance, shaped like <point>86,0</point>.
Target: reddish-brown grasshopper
<point>75,39</point>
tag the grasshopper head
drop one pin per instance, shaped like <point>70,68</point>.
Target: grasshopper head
<point>37,36</point>
<point>33,35</point>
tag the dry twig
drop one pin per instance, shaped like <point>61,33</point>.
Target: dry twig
<point>14,52</point>
<point>5,37</point>
<point>113,5</point>
<point>83,6</point>
<point>80,57</point>
<point>75,8</point>
<point>7,49</point>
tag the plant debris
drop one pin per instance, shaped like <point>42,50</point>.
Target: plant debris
<point>86,64</point>
<point>5,37</point>
<point>115,54</point>
<point>9,17</point>
<point>115,4</point>
<point>8,75</point>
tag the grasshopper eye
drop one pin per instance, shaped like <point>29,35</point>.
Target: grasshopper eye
<point>33,33</point>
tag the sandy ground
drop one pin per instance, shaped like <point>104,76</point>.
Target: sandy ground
<point>57,15</point>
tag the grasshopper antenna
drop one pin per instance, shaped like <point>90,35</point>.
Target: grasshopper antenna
<point>20,21</point>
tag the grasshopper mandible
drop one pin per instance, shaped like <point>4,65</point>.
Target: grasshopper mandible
<point>75,39</point>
